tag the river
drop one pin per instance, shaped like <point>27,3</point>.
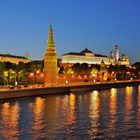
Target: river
<point>106,114</point>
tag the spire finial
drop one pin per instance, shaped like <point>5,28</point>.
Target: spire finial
<point>50,42</point>
<point>51,26</point>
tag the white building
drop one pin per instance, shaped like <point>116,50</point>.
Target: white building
<point>85,56</point>
<point>115,58</point>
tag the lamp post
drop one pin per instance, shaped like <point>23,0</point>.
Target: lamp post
<point>38,71</point>
<point>15,78</point>
<point>32,75</point>
<point>4,79</point>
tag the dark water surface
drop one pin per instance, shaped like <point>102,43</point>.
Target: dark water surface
<point>107,114</point>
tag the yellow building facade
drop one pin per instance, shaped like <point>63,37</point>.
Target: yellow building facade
<point>13,59</point>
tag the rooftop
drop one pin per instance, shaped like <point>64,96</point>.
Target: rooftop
<point>12,56</point>
<point>83,52</point>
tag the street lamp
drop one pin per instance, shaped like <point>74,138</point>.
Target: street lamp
<point>32,75</point>
<point>15,77</point>
<point>37,73</point>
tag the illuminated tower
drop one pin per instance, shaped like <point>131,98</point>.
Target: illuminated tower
<point>50,60</point>
<point>103,72</point>
<point>116,53</point>
<point>111,58</point>
<point>27,55</point>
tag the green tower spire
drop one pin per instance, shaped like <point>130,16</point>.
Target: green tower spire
<point>50,42</point>
<point>27,55</point>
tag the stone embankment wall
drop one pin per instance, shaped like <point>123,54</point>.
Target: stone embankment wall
<point>16,93</point>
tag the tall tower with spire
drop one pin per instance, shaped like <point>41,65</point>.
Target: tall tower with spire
<point>50,60</point>
<point>116,53</point>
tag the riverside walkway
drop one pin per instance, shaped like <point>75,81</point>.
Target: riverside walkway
<point>63,88</point>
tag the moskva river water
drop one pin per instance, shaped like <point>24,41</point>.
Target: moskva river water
<point>107,114</point>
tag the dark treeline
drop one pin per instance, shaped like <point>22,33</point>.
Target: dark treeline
<point>19,72</point>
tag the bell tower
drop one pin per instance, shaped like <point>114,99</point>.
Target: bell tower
<point>50,60</point>
<point>116,53</point>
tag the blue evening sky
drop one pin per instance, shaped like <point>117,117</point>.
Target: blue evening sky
<point>96,24</point>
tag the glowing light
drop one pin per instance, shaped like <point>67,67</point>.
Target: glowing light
<point>79,77</point>
<point>85,76</point>
<point>66,81</point>
<point>128,90</point>
<point>72,99</point>
<point>72,76</point>
<point>38,71</point>
<point>31,74</point>
<point>95,94</point>
<point>113,91</point>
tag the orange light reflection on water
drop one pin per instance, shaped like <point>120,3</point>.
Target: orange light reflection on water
<point>10,116</point>
<point>38,116</point>
<point>138,112</point>
<point>71,115</point>
<point>94,111</point>
<point>128,103</point>
<point>112,109</point>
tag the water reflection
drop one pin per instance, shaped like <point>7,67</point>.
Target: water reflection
<point>112,122</point>
<point>138,108</point>
<point>38,111</point>
<point>71,110</point>
<point>128,103</point>
<point>94,107</point>
<point>9,121</point>
<point>108,114</point>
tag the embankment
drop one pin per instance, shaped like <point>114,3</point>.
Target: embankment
<point>16,93</point>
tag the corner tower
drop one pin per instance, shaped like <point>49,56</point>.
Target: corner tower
<point>50,60</point>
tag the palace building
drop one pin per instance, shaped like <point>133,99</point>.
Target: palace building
<point>85,56</point>
<point>13,58</point>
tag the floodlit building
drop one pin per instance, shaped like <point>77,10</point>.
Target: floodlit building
<point>50,60</point>
<point>85,56</point>
<point>13,58</point>
<point>114,58</point>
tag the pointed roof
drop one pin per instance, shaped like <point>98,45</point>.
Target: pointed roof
<point>51,27</point>
<point>50,42</point>
<point>86,50</point>
<point>102,62</point>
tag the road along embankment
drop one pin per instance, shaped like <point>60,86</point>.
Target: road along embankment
<point>16,93</point>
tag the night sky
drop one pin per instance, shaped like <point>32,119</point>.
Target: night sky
<point>96,24</point>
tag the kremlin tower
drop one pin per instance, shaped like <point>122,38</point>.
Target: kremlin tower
<point>116,54</point>
<point>50,60</point>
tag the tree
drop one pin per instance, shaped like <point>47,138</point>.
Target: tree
<point>76,68</point>
<point>21,66</point>
<point>85,69</point>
